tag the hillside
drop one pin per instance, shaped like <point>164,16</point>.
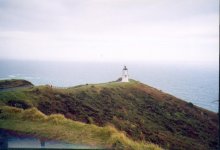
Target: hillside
<point>142,112</point>
<point>57,127</point>
<point>6,84</point>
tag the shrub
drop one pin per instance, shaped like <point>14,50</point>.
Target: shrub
<point>190,104</point>
<point>18,104</point>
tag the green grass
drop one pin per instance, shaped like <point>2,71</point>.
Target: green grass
<point>56,126</point>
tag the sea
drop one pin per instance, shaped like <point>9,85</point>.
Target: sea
<point>195,83</point>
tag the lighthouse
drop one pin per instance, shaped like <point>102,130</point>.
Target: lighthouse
<point>124,75</point>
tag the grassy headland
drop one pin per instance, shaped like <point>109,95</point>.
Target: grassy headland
<point>142,112</point>
<point>5,84</point>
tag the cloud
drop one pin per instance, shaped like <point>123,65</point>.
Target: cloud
<point>116,30</point>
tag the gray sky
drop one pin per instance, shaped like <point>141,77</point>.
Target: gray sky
<point>110,30</point>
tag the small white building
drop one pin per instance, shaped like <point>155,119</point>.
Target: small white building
<point>125,75</point>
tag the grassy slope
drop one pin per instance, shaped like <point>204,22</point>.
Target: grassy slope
<point>143,112</point>
<point>5,84</point>
<point>56,126</point>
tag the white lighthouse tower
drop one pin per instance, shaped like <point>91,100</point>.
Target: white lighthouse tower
<point>124,75</point>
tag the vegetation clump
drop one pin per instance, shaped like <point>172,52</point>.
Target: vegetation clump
<point>33,114</point>
<point>190,104</point>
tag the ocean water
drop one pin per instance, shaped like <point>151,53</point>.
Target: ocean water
<point>198,84</point>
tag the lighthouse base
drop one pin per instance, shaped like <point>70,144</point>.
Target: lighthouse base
<point>124,80</point>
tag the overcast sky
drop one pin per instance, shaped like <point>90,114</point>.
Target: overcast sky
<point>110,30</point>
